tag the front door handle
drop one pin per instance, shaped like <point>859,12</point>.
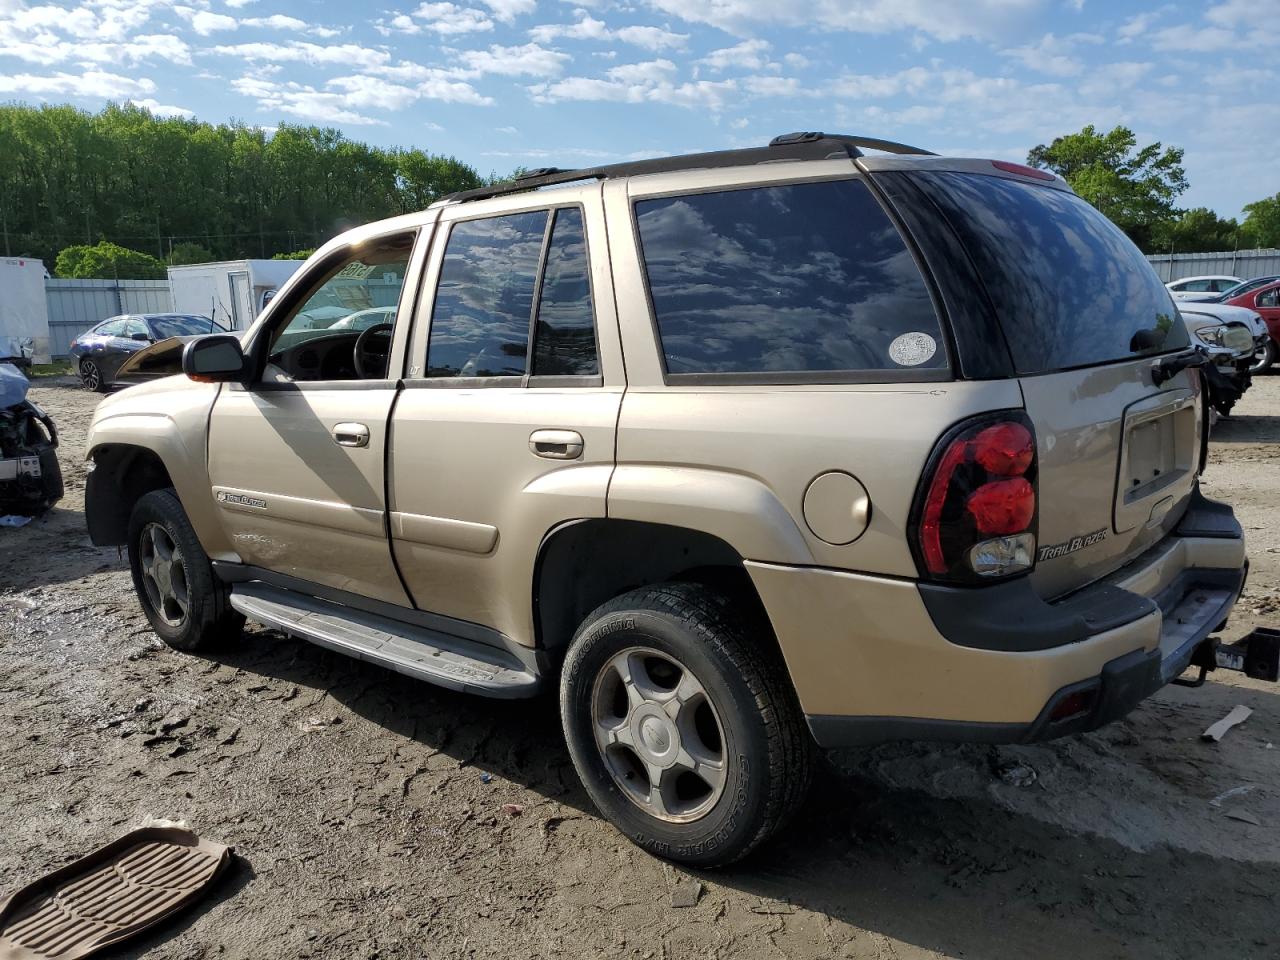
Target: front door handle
<point>351,435</point>
<point>556,444</point>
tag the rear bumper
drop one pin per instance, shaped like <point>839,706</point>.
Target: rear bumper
<point>875,659</point>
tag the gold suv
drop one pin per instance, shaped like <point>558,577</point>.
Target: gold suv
<point>749,452</point>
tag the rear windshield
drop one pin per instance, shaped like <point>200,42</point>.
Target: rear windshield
<point>795,282</point>
<point>1069,288</point>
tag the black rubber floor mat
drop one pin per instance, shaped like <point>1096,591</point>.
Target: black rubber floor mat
<point>109,895</point>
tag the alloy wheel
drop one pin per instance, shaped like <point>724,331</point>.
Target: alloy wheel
<point>164,574</point>
<point>659,734</point>
<point>90,375</point>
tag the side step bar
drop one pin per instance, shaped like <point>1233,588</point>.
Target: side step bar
<point>415,651</point>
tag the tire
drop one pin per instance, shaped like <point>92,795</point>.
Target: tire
<point>185,602</point>
<point>91,377</point>
<point>1264,358</point>
<point>672,638</point>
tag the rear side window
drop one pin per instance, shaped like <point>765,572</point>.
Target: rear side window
<point>480,321</point>
<point>1068,287</point>
<point>786,281</point>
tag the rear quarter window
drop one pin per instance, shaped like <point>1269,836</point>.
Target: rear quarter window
<point>788,282</point>
<point>1068,287</point>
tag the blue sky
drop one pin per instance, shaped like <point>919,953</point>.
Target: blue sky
<point>501,83</point>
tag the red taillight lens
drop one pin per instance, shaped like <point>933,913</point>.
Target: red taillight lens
<point>976,516</point>
<point>1022,170</point>
<point>1002,507</point>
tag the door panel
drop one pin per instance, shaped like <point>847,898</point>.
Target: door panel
<point>294,501</point>
<point>471,499</point>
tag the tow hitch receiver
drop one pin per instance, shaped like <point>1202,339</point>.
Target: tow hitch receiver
<point>1256,656</point>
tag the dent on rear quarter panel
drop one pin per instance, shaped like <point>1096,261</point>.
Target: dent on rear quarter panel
<point>169,417</point>
<point>735,461</point>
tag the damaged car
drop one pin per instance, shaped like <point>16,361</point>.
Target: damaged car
<point>30,478</point>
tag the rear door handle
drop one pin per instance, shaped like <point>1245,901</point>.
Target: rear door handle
<point>556,444</point>
<point>351,435</point>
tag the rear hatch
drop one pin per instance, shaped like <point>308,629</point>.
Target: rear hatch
<point>1083,317</point>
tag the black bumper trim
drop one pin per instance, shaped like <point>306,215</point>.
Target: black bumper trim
<point>1011,617</point>
<point>1120,685</point>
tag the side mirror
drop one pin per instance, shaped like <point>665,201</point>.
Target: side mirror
<point>216,358</point>
<point>140,337</point>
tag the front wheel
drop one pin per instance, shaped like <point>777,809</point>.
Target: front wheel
<point>92,378</point>
<point>180,594</point>
<point>682,724</point>
<point>1263,357</point>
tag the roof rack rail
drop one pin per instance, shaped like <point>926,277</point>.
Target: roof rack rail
<point>788,146</point>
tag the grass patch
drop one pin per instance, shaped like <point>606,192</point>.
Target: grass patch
<point>59,368</point>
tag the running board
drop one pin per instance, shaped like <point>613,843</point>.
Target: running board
<point>415,651</point>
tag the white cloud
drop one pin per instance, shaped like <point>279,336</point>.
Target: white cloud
<point>1050,54</point>
<point>698,94</point>
<point>92,84</point>
<point>162,109</point>
<point>449,18</point>
<point>205,23</point>
<point>651,71</point>
<point>652,38</point>
<point>530,60</point>
<point>748,55</point>
<point>297,51</point>
<point>940,19</point>
<point>508,10</point>
<point>588,27</point>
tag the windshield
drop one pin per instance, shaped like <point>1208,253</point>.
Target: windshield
<point>181,326</point>
<point>1069,288</point>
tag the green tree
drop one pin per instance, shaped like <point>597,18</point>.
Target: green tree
<point>1198,230</point>
<point>1135,187</point>
<point>107,261</point>
<point>188,252</point>
<point>295,255</point>
<point>1261,227</point>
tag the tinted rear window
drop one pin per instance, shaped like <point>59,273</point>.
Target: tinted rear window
<point>785,280</point>
<point>1069,288</point>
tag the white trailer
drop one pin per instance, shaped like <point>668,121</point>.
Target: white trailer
<point>232,292</point>
<point>24,311</point>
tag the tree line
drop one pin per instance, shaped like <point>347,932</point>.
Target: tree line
<point>123,192</point>
<point>182,190</point>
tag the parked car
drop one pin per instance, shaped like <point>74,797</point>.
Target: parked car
<point>1230,342</point>
<point>1244,286</point>
<point>1201,288</point>
<point>903,446</point>
<point>1247,318</point>
<point>30,476</point>
<point>1265,300</point>
<point>98,354</point>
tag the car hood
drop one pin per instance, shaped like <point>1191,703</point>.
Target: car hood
<point>162,359</point>
<point>1223,313</point>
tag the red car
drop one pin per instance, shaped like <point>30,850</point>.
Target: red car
<point>1266,301</point>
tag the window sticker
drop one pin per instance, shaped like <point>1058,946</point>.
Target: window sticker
<point>912,349</point>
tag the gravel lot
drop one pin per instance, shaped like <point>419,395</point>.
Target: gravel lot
<point>366,809</point>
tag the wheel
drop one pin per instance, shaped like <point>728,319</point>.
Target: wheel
<point>185,602</point>
<point>682,724</point>
<point>1264,357</point>
<point>92,377</point>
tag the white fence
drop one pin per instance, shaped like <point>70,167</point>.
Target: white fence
<point>1245,264</point>
<point>76,305</point>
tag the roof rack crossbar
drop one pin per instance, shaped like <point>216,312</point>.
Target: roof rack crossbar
<point>791,146</point>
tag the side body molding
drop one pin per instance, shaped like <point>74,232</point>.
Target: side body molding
<point>738,509</point>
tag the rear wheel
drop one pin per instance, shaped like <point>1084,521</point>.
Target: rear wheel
<point>1264,357</point>
<point>180,594</point>
<point>683,725</point>
<point>92,378</point>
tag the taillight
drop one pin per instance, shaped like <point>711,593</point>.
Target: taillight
<point>975,514</point>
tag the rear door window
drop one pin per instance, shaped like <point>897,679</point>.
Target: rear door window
<point>792,283</point>
<point>1069,288</point>
<point>484,299</point>
<point>564,342</point>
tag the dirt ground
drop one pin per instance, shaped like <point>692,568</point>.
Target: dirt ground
<point>366,808</point>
